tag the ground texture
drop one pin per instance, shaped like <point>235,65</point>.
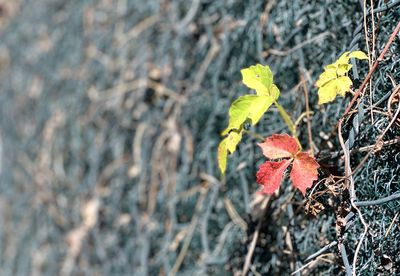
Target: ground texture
<point>110,114</point>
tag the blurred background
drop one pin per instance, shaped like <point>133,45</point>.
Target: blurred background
<point>111,113</point>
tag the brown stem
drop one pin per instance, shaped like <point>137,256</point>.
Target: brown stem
<point>310,139</point>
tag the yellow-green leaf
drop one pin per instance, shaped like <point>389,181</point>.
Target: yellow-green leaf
<point>274,92</point>
<point>358,54</point>
<point>343,85</point>
<point>328,75</point>
<point>258,107</point>
<point>343,59</point>
<point>222,156</point>
<point>334,80</point>
<point>327,93</point>
<point>247,107</point>
<point>343,69</point>
<point>232,140</point>
<point>259,78</point>
<point>228,145</point>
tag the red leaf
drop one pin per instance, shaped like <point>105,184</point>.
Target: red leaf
<point>304,171</point>
<point>270,175</point>
<point>279,146</point>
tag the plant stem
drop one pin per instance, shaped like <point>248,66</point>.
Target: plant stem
<point>255,135</point>
<point>302,115</point>
<point>286,118</point>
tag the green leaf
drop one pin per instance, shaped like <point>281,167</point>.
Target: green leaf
<point>228,145</point>
<point>257,77</point>
<point>232,140</point>
<point>260,78</point>
<point>222,156</point>
<point>274,92</point>
<point>334,80</point>
<point>247,107</point>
